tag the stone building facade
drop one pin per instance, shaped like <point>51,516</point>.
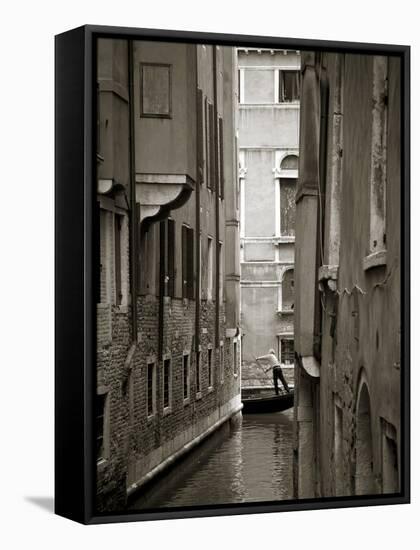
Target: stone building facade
<point>168,337</point>
<point>348,310</point>
<point>268,139</point>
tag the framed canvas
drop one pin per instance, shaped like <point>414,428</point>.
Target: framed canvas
<point>232,274</point>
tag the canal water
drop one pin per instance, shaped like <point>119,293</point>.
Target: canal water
<point>245,461</point>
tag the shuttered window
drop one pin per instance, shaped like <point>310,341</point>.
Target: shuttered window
<point>200,136</point>
<point>167,256</point>
<point>211,150</point>
<point>117,265</point>
<point>221,162</point>
<point>187,262</point>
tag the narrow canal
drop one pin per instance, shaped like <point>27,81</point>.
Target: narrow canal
<point>248,461</point>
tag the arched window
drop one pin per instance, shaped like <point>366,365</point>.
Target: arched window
<point>364,480</point>
<point>289,163</point>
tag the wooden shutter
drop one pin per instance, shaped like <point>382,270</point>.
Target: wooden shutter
<point>171,258</point>
<point>200,136</point>
<point>117,251</point>
<point>190,263</point>
<point>184,261</point>
<point>212,140</point>
<point>221,161</point>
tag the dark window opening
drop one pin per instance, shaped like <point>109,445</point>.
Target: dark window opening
<point>166,383</point>
<point>210,366</point>
<point>150,389</point>
<point>198,372</point>
<point>287,351</point>
<point>187,262</point>
<point>186,375</point>
<point>100,425</point>
<point>167,256</point>
<point>289,83</point>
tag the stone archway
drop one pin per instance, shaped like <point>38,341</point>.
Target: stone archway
<point>364,479</point>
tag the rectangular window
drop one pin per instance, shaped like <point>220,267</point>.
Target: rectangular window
<point>209,268</point>
<point>198,372</point>
<point>210,366</point>
<point>287,206</point>
<point>104,256</point>
<point>187,262</point>
<point>166,383</point>
<point>258,86</point>
<point>289,86</point>
<point>100,403</point>
<point>151,389</point>
<point>287,351</point>
<point>235,357</point>
<point>117,256</point>
<point>222,362</point>
<point>156,93</point>
<point>186,375</point>
<point>378,164</point>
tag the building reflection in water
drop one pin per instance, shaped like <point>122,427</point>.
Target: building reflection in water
<point>249,461</point>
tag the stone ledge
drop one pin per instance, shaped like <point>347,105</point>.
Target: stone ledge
<point>375,259</point>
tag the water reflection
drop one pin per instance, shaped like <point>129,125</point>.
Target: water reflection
<point>246,462</point>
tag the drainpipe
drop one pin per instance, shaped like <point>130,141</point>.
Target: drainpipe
<point>197,213</point>
<point>217,175</point>
<point>133,207</point>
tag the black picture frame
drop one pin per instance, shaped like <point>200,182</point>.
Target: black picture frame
<point>75,253</point>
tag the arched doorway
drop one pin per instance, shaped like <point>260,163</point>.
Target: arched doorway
<point>364,480</point>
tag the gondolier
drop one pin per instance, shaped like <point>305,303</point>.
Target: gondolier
<point>274,364</point>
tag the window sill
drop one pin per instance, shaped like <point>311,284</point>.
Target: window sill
<point>282,312</point>
<point>198,396</point>
<point>167,411</point>
<point>375,259</point>
<point>186,401</point>
<point>101,464</point>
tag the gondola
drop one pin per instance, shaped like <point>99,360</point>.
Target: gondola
<point>267,403</point>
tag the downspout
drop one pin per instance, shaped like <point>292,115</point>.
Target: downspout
<point>197,213</point>
<point>133,207</point>
<point>217,184</point>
